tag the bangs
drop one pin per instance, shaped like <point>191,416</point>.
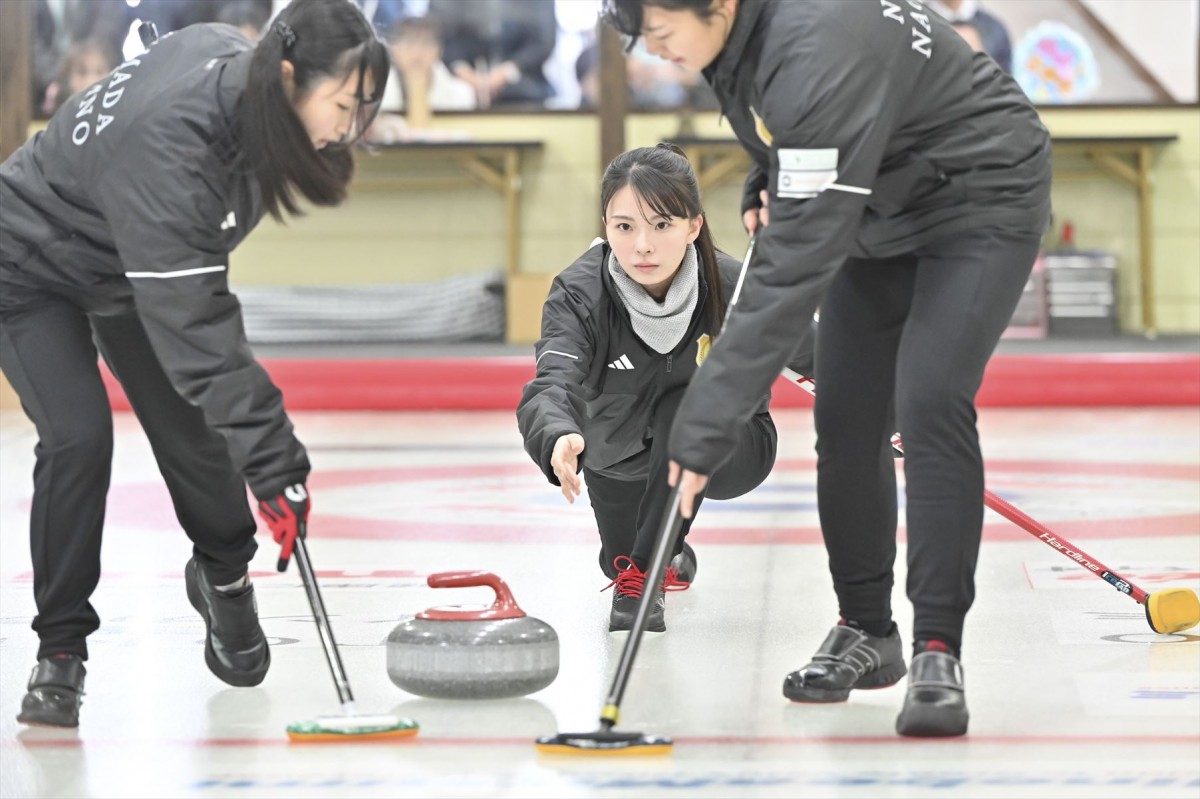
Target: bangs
<point>369,59</point>
<point>375,61</point>
<point>660,195</point>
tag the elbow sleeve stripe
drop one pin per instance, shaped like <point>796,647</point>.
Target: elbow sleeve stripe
<point>554,352</point>
<point>178,273</point>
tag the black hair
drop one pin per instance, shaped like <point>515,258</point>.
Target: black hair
<point>321,39</point>
<point>663,178</point>
<point>626,16</point>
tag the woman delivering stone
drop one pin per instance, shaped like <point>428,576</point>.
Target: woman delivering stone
<point>624,330</point>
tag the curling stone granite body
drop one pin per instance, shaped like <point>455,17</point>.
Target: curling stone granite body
<point>472,653</point>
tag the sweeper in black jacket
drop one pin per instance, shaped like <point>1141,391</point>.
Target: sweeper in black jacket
<point>624,330</point>
<point>907,180</point>
<point>117,225</point>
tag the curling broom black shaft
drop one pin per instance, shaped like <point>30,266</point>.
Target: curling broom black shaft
<point>658,569</point>
<point>324,631</point>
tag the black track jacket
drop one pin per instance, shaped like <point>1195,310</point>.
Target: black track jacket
<point>596,377</point>
<point>876,130</point>
<point>133,198</point>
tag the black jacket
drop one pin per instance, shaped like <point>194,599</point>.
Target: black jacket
<point>596,377</point>
<point>876,130</point>
<point>133,197</point>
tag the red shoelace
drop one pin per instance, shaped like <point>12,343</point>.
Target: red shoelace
<point>672,582</point>
<point>631,580</point>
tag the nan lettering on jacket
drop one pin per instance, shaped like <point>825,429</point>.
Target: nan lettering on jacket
<point>920,20</point>
<point>113,91</point>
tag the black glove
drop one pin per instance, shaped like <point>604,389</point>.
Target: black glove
<point>287,516</point>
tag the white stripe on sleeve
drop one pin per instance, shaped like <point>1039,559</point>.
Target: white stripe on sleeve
<point>554,352</point>
<point>179,273</point>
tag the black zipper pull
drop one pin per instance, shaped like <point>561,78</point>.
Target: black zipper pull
<point>148,33</point>
<point>669,357</point>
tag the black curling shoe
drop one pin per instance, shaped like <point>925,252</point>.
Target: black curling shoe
<point>625,608</point>
<point>936,704</point>
<point>235,648</point>
<point>682,569</point>
<point>55,692</point>
<point>627,596</point>
<point>849,658</point>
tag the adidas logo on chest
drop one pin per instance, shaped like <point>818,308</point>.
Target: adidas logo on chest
<point>621,363</point>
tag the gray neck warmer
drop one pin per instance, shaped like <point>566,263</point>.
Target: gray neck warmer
<point>660,325</point>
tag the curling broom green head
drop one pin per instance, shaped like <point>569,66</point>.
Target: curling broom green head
<point>351,728</point>
<point>1173,610</point>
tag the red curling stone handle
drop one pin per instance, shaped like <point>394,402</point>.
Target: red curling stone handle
<point>505,607</point>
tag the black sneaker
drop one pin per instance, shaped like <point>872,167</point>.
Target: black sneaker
<point>936,704</point>
<point>681,570</point>
<point>235,648</point>
<point>55,692</point>
<point>848,659</point>
<point>627,595</point>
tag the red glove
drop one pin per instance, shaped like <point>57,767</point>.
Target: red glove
<point>287,516</point>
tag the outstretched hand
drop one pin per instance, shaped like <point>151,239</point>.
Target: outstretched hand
<point>565,463</point>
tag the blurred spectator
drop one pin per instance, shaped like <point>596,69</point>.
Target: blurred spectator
<point>417,66</point>
<point>60,23</point>
<point>85,63</point>
<point>970,33</point>
<point>991,31</point>
<point>499,46</point>
<point>77,35</point>
<point>576,29</point>
<point>385,14</point>
<point>653,83</point>
<point>248,16</point>
<point>172,15</point>
<point>587,72</point>
<point>417,56</point>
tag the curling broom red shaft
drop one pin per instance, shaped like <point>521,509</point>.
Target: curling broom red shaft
<point>1043,534</point>
<point>1019,518</point>
<point>1068,549</point>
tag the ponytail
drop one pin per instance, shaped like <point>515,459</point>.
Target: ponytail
<point>714,305</point>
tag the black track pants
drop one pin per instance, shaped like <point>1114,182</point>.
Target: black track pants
<point>902,345</point>
<point>629,513</point>
<point>47,353</point>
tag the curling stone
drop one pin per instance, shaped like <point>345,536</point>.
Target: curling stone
<point>472,652</point>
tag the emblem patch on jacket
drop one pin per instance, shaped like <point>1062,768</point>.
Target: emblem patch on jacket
<point>760,128</point>
<point>703,345</point>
